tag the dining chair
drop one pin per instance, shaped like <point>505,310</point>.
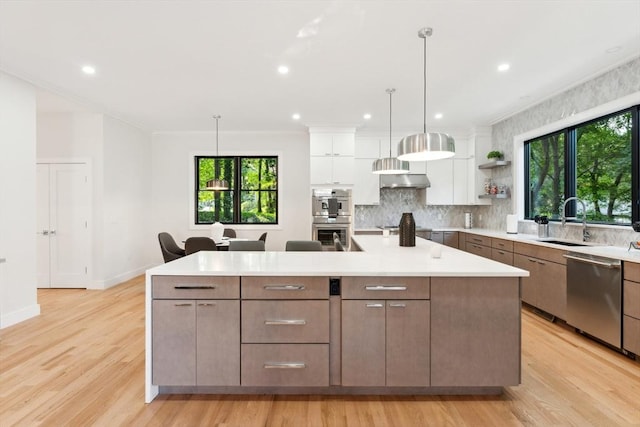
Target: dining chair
<point>246,245</point>
<point>169,247</point>
<point>303,245</point>
<point>263,237</point>
<point>195,244</point>
<point>229,232</point>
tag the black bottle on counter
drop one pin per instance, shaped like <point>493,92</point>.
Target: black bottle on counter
<point>407,230</point>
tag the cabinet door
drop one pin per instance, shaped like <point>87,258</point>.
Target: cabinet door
<point>460,182</point>
<point>366,188</point>
<point>552,288</point>
<point>320,144</point>
<point>344,144</point>
<point>363,343</point>
<point>450,238</point>
<point>174,342</point>
<point>408,343</point>
<point>342,172</point>
<point>218,342</point>
<point>480,250</point>
<point>320,170</point>
<point>529,291</point>
<point>440,173</point>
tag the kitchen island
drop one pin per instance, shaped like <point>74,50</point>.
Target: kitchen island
<point>383,320</point>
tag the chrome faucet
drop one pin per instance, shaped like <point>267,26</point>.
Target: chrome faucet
<point>585,233</point>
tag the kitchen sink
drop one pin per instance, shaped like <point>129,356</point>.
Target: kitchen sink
<point>562,242</point>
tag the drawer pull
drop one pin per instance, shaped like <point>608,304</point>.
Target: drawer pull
<point>501,252</point>
<point>531,260</point>
<point>476,239</point>
<point>542,263</point>
<point>284,287</point>
<point>397,304</point>
<point>205,304</point>
<point>385,288</point>
<point>374,305</point>
<point>279,322</point>
<point>193,287</point>
<point>284,365</point>
<point>186,304</point>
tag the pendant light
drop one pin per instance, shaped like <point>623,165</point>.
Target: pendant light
<point>217,184</point>
<point>390,165</point>
<point>426,146</point>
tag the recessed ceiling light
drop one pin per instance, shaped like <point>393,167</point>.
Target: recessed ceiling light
<point>438,115</point>
<point>88,69</point>
<point>367,116</point>
<point>503,67</point>
<point>295,116</point>
<point>283,69</point>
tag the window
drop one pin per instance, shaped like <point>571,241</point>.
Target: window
<point>252,196</point>
<point>596,161</point>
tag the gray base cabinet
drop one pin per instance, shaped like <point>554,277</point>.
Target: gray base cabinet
<point>631,308</point>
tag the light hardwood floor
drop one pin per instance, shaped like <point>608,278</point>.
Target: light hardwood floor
<point>81,363</point>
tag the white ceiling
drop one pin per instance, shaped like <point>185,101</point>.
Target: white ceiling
<point>170,65</point>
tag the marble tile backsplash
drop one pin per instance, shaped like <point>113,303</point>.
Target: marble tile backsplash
<point>394,202</point>
<point>610,236</point>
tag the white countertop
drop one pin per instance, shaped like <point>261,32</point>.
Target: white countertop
<point>381,256</point>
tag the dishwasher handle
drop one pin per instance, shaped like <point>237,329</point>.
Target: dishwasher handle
<point>593,261</point>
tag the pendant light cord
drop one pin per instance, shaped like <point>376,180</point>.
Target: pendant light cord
<point>390,92</point>
<point>217,117</point>
<point>424,94</point>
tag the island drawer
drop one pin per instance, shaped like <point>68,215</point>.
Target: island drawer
<point>271,365</point>
<point>285,321</point>
<point>385,287</point>
<point>480,240</point>
<point>195,287</point>
<point>285,287</point>
<point>631,299</point>
<point>632,271</point>
<point>502,244</point>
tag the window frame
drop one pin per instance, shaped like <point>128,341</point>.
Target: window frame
<point>570,155</point>
<point>237,190</point>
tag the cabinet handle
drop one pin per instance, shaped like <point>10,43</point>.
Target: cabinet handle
<point>328,154</point>
<point>532,259</point>
<point>397,304</point>
<point>52,232</point>
<point>542,263</point>
<point>284,287</point>
<point>278,322</point>
<point>284,365</point>
<point>500,244</point>
<point>385,288</point>
<point>205,304</point>
<point>476,239</point>
<point>45,232</point>
<point>193,287</point>
<point>501,252</point>
<point>374,305</point>
<point>186,304</point>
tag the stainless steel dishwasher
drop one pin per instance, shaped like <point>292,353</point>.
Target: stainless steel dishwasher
<point>594,296</point>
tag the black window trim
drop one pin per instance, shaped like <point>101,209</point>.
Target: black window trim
<point>236,200</point>
<point>570,163</point>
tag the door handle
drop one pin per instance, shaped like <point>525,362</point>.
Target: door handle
<point>45,232</point>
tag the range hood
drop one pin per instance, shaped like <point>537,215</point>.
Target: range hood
<point>407,180</point>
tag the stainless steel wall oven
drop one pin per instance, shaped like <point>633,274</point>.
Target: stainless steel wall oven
<point>331,214</point>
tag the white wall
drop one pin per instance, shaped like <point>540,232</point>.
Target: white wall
<point>120,158</point>
<point>18,294</point>
<point>172,173</point>
<point>126,202</point>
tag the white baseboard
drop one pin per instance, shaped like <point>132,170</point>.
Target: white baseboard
<point>20,315</point>
<point>116,280</point>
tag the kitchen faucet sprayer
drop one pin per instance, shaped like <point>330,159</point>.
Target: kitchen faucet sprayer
<point>585,233</point>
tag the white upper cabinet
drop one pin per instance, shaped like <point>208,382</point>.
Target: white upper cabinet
<point>450,178</point>
<point>332,157</point>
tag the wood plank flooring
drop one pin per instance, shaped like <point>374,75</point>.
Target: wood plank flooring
<point>81,363</point>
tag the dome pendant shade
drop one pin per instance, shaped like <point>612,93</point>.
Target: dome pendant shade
<point>389,165</point>
<point>217,184</point>
<point>426,146</point>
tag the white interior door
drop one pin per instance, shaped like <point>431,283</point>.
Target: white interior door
<point>66,264</point>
